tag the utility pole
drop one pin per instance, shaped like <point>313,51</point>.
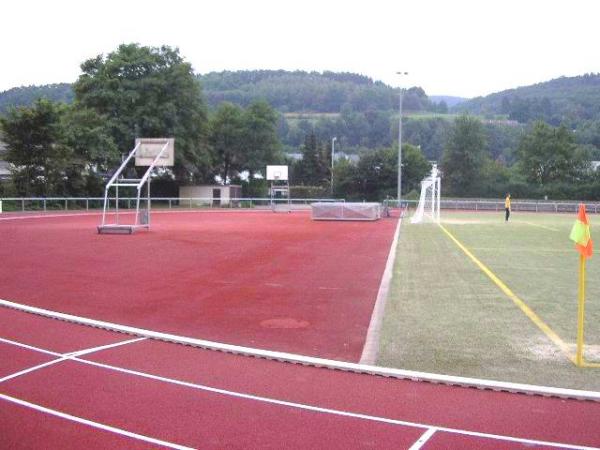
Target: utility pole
<point>400,142</point>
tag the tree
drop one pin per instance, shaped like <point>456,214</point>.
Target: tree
<point>35,147</point>
<point>464,156</point>
<point>415,167</point>
<point>376,174</point>
<point>94,152</point>
<point>547,154</point>
<point>313,168</point>
<point>149,92</point>
<point>262,146</point>
<point>345,179</point>
<point>226,138</point>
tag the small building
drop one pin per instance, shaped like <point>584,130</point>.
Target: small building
<point>4,170</point>
<point>4,166</point>
<point>210,195</point>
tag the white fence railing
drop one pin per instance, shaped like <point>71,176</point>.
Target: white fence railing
<point>8,204</point>
<point>95,203</point>
<point>516,205</point>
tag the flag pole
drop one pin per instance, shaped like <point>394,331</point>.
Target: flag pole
<point>581,311</point>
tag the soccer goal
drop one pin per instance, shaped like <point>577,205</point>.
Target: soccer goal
<point>428,209</point>
<point>150,153</point>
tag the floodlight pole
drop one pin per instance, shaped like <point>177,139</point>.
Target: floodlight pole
<point>400,143</point>
<point>332,153</point>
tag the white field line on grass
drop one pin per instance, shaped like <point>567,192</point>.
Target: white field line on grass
<point>91,423</point>
<point>524,250</point>
<point>545,227</point>
<point>313,361</point>
<point>318,409</point>
<point>371,347</point>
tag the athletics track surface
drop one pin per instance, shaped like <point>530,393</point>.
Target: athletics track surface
<point>153,393</point>
<point>274,281</point>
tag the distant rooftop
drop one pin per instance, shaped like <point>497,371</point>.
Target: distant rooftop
<point>4,170</point>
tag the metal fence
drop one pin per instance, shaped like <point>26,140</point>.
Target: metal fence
<point>546,206</point>
<point>24,204</point>
<point>95,203</point>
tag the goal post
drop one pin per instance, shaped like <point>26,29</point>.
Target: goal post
<point>428,209</point>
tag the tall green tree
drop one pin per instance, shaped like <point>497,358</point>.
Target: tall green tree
<point>464,156</point>
<point>35,146</point>
<point>415,167</point>
<point>313,168</point>
<point>547,154</point>
<point>262,145</point>
<point>94,152</point>
<point>149,92</point>
<point>227,140</point>
<point>376,174</point>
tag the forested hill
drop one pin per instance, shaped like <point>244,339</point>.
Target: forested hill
<point>26,95</point>
<point>326,92</point>
<point>562,100</point>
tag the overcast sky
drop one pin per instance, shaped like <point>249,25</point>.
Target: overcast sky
<point>452,47</point>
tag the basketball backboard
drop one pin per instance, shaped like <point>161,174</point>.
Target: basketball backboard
<point>277,173</point>
<point>151,147</point>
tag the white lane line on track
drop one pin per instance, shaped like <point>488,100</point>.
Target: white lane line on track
<point>93,424</point>
<point>31,369</point>
<point>99,214</point>
<point>30,347</point>
<point>63,357</point>
<point>319,409</point>
<point>87,351</point>
<point>311,360</point>
<point>423,439</point>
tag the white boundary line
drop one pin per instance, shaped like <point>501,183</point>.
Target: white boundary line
<point>314,361</point>
<point>160,211</point>
<point>92,424</point>
<point>87,351</point>
<point>63,357</point>
<point>29,347</point>
<point>32,369</point>
<point>429,428</point>
<point>371,347</point>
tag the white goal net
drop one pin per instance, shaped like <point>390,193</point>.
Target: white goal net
<point>428,209</point>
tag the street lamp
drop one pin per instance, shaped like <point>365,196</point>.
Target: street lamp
<point>400,143</point>
<point>332,153</point>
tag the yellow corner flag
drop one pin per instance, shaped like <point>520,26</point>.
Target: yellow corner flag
<point>580,234</point>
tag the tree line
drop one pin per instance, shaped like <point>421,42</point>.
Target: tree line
<point>548,163</point>
<point>70,149</point>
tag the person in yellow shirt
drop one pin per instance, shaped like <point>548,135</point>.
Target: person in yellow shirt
<point>507,207</point>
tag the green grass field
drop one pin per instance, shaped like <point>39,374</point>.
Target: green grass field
<point>445,315</point>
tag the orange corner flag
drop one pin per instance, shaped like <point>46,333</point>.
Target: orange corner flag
<point>580,233</point>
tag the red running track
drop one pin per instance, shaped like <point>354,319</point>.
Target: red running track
<point>258,279</point>
<point>184,396</point>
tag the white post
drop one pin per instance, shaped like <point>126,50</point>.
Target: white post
<point>332,153</point>
<point>400,143</point>
<point>439,195</point>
